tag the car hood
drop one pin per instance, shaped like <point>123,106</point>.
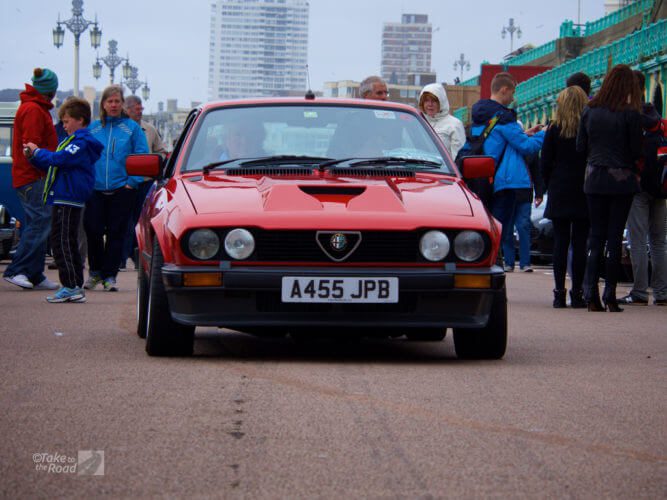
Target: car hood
<point>417,196</point>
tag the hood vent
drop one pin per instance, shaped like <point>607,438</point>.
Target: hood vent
<point>372,172</point>
<point>341,190</point>
<point>275,172</point>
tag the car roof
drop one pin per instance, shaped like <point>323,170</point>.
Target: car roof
<point>318,101</point>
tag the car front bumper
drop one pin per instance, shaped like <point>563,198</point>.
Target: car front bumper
<point>251,297</point>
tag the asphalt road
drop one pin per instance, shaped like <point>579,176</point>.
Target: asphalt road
<point>576,409</point>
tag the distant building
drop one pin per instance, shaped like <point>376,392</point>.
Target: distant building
<point>613,5</point>
<point>257,48</point>
<point>406,48</point>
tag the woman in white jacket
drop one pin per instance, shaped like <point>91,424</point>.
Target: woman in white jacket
<point>434,104</point>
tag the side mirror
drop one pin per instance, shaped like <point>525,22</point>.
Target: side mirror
<point>144,165</point>
<point>477,167</point>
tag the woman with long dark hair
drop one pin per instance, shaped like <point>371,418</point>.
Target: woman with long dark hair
<point>610,134</point>
<point>563,169</point>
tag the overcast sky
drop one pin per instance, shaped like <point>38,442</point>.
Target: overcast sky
<point>168,39</point>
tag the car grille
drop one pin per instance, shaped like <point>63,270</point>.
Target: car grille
<point>301,246</point>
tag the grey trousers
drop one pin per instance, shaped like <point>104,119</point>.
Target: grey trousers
<point>647,224</point>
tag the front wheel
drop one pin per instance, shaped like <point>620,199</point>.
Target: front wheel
<point>164,337</point>
<point>489,342</point>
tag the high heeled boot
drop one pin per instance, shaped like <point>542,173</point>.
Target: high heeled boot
<point>593,300</point>
<point>559,299</point>
<point>577,299</point>
<point>609,300</point>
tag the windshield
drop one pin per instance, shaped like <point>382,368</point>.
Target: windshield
<point>320,133</point>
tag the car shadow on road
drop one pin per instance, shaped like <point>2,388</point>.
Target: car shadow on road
<point>213,343</point>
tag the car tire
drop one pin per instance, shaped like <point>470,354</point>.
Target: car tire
<point>142,302</point>
<point>5,248</point>
<point>488,342</point>
<point>427,334</point>
<point>164,337</point>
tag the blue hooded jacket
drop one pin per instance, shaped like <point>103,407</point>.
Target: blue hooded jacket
<point>120,136</point>
<point>507,136</point>
<point>71,180</point>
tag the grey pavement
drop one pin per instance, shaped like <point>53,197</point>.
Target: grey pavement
<point>576,409</point>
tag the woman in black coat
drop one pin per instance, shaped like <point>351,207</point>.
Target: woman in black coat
<point>563,169</point>
<point>610,134</point>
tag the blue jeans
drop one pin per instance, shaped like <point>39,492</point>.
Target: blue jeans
<point>647,223</point>
<point>511,212</point>
<point>31,252</point>
<point>522,224</point>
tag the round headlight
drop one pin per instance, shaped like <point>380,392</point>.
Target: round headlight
<point>434,246</point>
<point>239,244</point>
<point>469,246</point>
<point>204,244</point>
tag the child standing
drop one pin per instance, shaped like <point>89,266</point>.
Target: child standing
<point>69,183</point>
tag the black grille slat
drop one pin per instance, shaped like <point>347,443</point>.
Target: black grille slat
<point>372,172</point>
<point>278,172</point>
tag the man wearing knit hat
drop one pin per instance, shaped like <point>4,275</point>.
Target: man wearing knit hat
<point>32,123</point>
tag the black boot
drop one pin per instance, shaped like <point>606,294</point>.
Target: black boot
<point>593,300</point>
<point>577,299</point>
<point>609,299</point>
<point>559,299</point>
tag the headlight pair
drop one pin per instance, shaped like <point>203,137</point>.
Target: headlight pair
<point>204,244</point>
<point>468,246</point>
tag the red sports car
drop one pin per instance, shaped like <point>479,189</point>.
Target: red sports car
<point>309,216</point>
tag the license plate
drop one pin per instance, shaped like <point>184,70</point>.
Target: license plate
<point>330,289</point>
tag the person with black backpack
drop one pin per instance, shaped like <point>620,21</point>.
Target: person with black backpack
<point>495,128</point>
<point>647,221</point>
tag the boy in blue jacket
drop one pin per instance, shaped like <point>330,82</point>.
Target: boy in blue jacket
<point>69,183</point>
<point>509,145</point>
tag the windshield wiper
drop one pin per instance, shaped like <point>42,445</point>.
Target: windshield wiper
<point>381,161</point>
<point>283,159</point>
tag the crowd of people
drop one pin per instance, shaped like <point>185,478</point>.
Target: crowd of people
<point>596,161</point>
<point>593,161</point>
<point>80,180</point>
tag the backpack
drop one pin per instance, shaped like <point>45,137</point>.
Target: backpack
<point>474,146</point>
<point>654,172</point>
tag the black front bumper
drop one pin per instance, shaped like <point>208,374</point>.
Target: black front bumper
<point>251,297</point>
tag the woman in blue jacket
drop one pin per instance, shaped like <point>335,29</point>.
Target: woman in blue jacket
<point>109,208</point>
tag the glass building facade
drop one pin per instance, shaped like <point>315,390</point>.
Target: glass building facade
<point>406,48</point>
<point>258,48</point>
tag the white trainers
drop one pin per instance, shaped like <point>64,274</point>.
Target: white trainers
<point>92,281</point>
<point>47,284</point>
<point>20,280</point>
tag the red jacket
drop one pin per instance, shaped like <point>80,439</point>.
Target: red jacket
<point>32,123</point>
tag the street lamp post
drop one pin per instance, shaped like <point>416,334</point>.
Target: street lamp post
<point>461,61</point>
<point>511,29</point>
<point>133,83</point>
<point>112,60</point>
<point>77,25</point>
